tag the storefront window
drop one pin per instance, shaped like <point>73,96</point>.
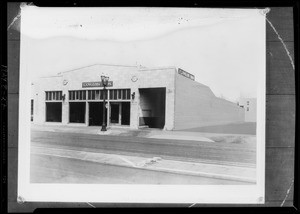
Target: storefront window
<point>53,95</point>
<point>89,94</point>
<point>114,94</point>
<point>119,94</point>
<point>128,94</point>
<point>101,94</point>
<point>97,95</point>
<point>111,94</point>
<point>78,95</point>
<point>124,94</point>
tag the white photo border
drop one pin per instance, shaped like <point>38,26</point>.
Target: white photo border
<point>110,193</point>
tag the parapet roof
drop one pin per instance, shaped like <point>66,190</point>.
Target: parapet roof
<point>139,67</point>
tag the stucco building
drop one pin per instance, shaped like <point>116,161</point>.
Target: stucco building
<point>168,98</point>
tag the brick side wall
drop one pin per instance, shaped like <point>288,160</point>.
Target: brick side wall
<point>196,106</point>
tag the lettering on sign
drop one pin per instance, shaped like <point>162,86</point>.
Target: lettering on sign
<point>96,84</point>
<point>186,74</point>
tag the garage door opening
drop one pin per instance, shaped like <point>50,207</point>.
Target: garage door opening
<point>53,111</point>
<point>152,103</point>
<point>77,112</point>
<point>96,113</point>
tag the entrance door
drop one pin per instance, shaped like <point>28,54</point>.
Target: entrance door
<point>114,113</point>
<point>96,113</point>
<point>125,120</point>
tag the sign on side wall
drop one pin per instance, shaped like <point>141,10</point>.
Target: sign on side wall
<point>96,84</point>
<point>186,74</point>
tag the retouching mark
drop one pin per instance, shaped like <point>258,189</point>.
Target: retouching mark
<point>20,200</point>
<point>264,11</point>
<point>22,5</point>
<point>287,193</point>
<point>90,204</point>
<point>281,40</point>
<point>192,205</point>
<point>14,20</point>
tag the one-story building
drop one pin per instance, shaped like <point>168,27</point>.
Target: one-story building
<point>168,98</point>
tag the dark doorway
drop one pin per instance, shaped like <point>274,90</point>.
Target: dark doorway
<point>96,113</point>
<point>115,111</point>
<point>77,112</point>
<point>125,113</point>
<point>53,111</point>
<point>152,103</point>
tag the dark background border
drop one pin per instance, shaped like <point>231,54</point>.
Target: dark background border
<point>281,162</point>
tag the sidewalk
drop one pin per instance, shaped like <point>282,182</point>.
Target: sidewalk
<point>144,132</point>
<point>148,133</point>
<point>236,173</point>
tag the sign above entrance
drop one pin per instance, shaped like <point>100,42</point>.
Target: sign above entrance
<point>186,74</point>
<point>96,84</point>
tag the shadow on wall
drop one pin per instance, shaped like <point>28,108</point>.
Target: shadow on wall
<point>152,103</point>
<point>232,128</point>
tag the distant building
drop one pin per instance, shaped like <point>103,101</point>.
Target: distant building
<point>167,97</point>
<point>249,105</point>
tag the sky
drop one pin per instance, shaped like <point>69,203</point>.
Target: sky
<point>223,48</point>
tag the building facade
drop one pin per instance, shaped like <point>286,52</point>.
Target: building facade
<point>168,98</point>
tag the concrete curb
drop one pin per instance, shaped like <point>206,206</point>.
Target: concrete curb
<point>203,174</point>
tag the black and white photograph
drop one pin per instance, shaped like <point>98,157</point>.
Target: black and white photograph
<point>149,105</point>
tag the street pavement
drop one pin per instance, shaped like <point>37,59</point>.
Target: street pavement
<point>194,157</point>
<point>51,169</point>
